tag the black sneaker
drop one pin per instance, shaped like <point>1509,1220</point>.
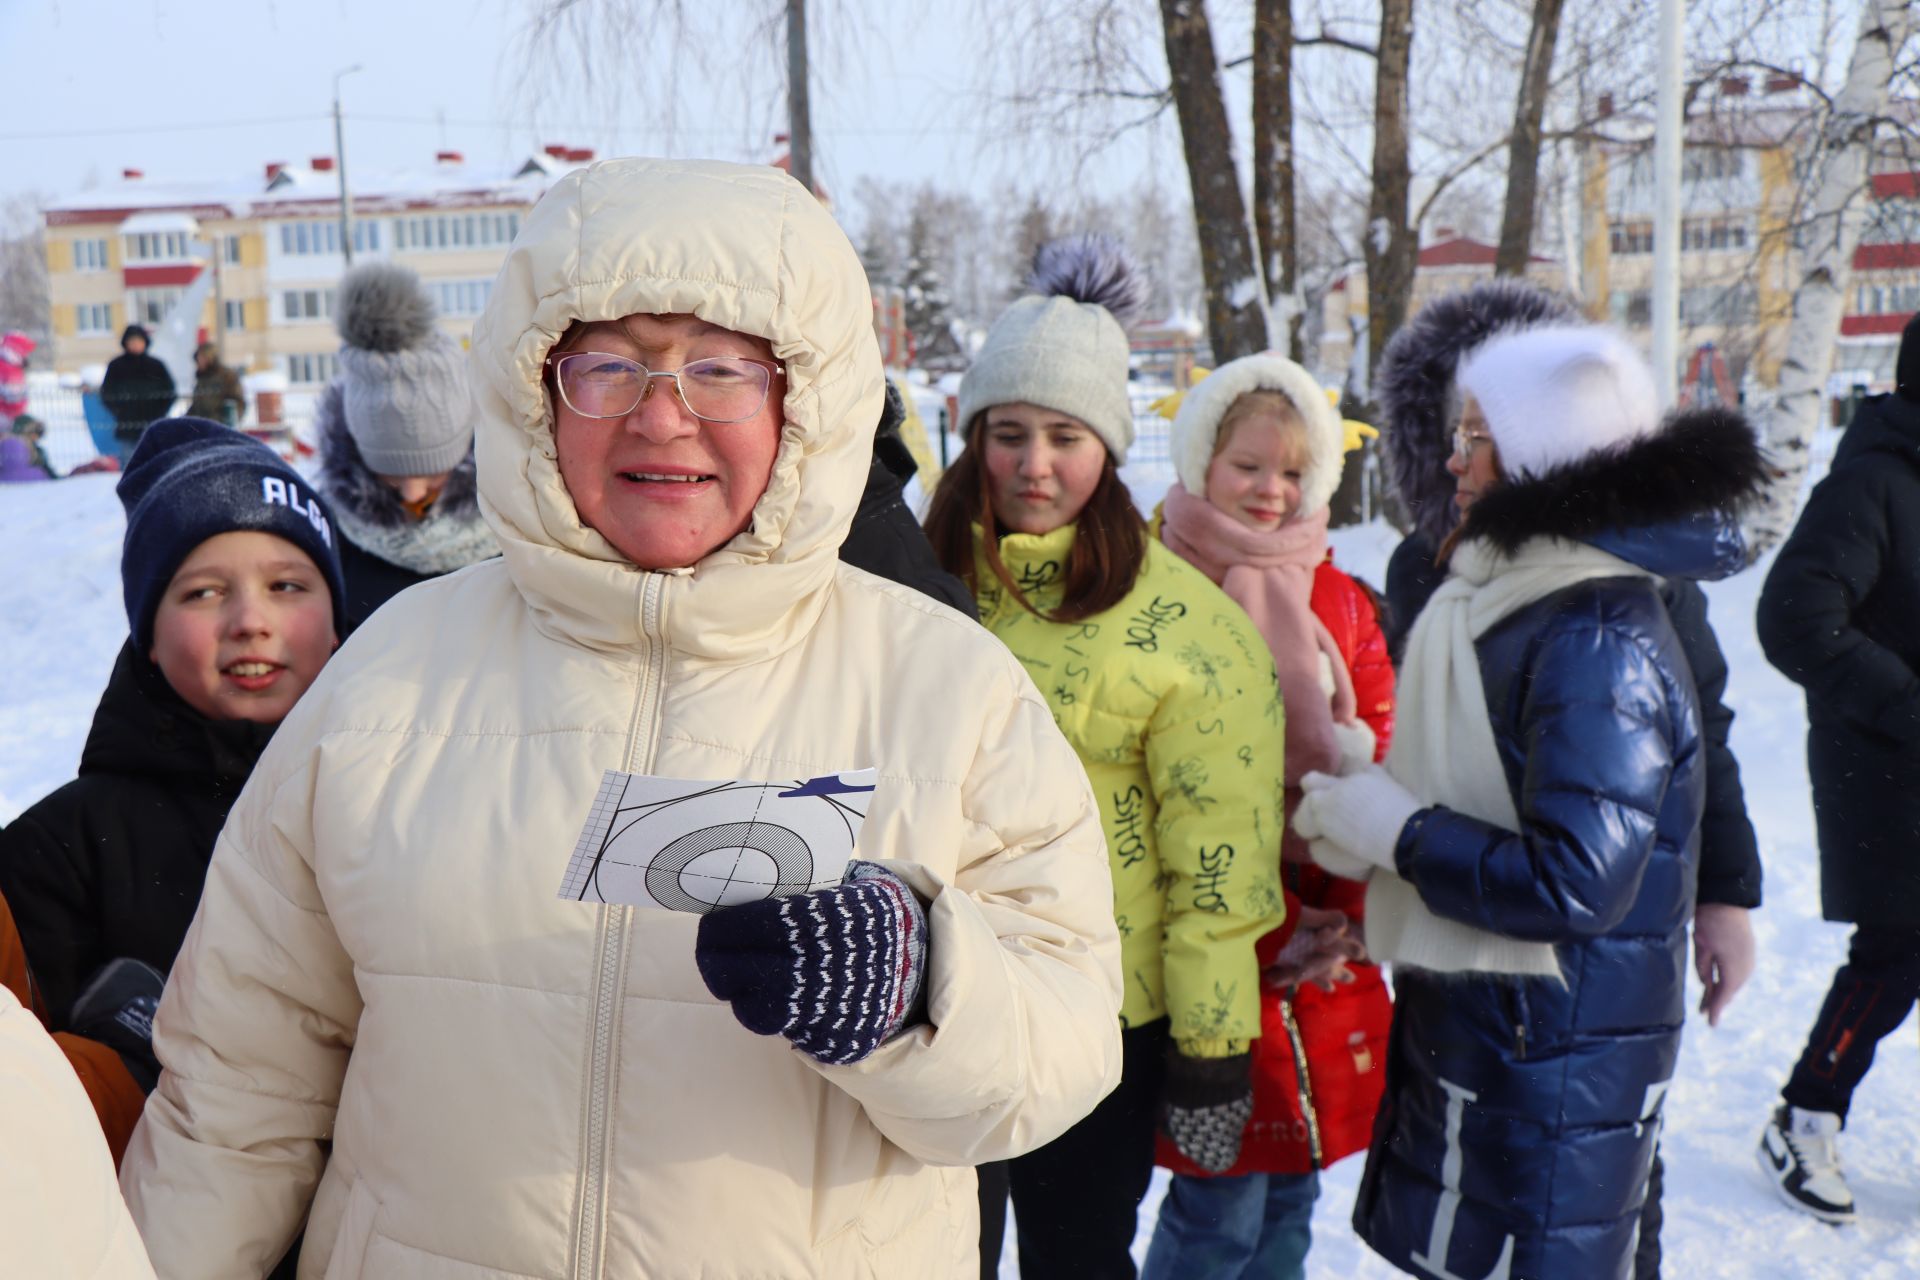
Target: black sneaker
<point>1799,1153</point>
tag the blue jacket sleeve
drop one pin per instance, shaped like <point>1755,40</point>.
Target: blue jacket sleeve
<point>1595,730</point>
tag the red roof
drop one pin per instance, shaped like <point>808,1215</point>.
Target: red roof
<point>1871,257</point>
<point>1858,326</point>
<point>1888,185</point>
<point>1460,251</point>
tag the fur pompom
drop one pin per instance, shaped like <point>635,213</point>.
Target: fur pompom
<point>1090,268</point>
<point>383,307</point>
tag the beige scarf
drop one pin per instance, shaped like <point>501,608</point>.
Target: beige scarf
<point>1443,746</point>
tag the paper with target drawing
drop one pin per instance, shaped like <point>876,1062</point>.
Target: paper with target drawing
<point>695,846</point>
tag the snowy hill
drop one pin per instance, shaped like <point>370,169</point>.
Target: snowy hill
<point>61,622</point>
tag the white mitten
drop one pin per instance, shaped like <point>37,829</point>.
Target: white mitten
<point>1356,743</point>
<point>1361,814</point>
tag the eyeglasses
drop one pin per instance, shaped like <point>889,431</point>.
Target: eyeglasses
<point>1463,443</point>
<point>721,389</point>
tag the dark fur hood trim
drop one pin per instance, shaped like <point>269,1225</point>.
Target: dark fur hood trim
<point>1415,372</point>
<point>1701,461</point>
<point>348,482</point>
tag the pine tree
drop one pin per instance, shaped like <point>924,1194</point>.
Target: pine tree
<point>929,307</point>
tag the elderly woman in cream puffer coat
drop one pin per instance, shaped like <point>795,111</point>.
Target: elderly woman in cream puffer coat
<point>515,1085</point>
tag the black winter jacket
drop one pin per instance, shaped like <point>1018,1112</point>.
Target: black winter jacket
<point>136,390</point>
<point>112,863</point>
<point>885,538</point>
<point>1730,871</point>
<point>1518,1125</point>
<point>1840,616</point>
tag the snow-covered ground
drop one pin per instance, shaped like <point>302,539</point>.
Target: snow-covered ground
<point>61,622</point>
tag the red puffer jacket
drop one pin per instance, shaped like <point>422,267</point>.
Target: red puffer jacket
<point>1318,1066</point>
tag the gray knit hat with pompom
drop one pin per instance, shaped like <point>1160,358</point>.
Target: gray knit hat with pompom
<point>1063,347</point>
<point>403,381</point>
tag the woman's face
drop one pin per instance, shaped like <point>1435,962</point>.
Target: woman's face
<point>664,487</point>
<point>1475,462</point>
<point>1255,475</point>
<point>1042,466</point>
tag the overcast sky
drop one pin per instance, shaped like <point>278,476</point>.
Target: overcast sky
<point>217,88</point>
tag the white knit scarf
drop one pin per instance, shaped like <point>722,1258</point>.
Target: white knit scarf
<point>1443,746</point>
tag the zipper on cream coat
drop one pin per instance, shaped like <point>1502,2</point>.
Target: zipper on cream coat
<point>610,962</point>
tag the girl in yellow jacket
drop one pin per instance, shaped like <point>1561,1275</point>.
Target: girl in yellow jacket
<point>1167,693</point>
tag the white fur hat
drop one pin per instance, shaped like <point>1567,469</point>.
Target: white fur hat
<point>1063,347</point>
<point>1552,396</point>
<point>1197,425</point>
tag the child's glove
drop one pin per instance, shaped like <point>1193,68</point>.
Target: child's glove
<point>836,971</point>
<point>1361,816</point>
<point>1206,1105</point>
<point>116,1009</point>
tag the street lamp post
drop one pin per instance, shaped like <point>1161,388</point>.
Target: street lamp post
<point>340,163</point>
<point>1668,138</point>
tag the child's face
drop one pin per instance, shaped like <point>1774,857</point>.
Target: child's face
<point>244,627</point>
<point>1255,475</point>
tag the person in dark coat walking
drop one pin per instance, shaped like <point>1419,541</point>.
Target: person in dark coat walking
<point>396,442</point>
<point>1838,617</point>
<point>885,538</point>
<point>1421,402</point>
<point>137,389</point>
<point>1532,841</point>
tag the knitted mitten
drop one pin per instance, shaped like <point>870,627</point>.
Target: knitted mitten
<point>836,971</point>
<point>1206,1105</point>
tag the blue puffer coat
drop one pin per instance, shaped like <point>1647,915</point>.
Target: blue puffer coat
<point>1520,1115</point>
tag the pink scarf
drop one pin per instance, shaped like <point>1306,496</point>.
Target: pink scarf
<point>1270,575</point>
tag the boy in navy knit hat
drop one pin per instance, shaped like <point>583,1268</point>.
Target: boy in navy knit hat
<point>232,585</point>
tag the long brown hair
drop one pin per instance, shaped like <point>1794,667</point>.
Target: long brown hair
<point>1109,542</point>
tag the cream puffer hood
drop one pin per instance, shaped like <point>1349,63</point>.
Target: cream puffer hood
<point>627,237</point>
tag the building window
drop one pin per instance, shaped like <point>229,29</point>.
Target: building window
<point>150,306</point>
<point>1631,237</point>
<point>1719,305</point>
<point>455,231</point>
<point>310,368</point>
<point>306,304</point>
<point>462,297</point>
<point>156,246</point>
<point>230,250</point>
<point>233,314</point>
<point>93,318</point>
<point>90,255</point>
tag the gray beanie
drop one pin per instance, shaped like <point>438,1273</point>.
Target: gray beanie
<point>1062,347</point>
<point>403,381</point>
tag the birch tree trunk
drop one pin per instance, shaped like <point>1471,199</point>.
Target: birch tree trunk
<point>1523,150</point>
<point>1837,170</point>
<point>1236,319</point>
<point>1273,198</point>
<point>1390,244</point>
